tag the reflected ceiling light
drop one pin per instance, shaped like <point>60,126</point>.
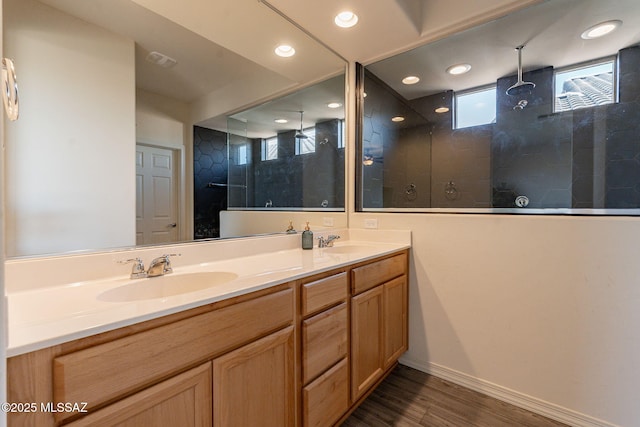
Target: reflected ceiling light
<point>285,51</point>
<point>346,19</point>
<point>458,69</point>
<point>367,160</point>
<point>397,119</point>
<point>334,105</point>
<point>281,121</point>
<point>411,80</point>
<point>441,110</point>
<point>601,29</point>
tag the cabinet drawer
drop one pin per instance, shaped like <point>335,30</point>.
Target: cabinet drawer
<point>184,400</point>
<point>327,398</point>
<point>323,293</point>
<point>108,371</point>
<point>324,341</point>
<point>376,273</point>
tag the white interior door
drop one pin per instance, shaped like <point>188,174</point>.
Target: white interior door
<point>156,195</point>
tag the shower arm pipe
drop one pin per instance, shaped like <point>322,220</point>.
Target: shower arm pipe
<point>519,49</point>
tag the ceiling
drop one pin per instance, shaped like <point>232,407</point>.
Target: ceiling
<point>483,34</point>
<point>223,49</point>
<point>386,27</point>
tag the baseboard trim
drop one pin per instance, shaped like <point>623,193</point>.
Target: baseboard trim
<point>504,394</point>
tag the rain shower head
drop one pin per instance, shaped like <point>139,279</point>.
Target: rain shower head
<point>300,134</point>
<point>521,87</point>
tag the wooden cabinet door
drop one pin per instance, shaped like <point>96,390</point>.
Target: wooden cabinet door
<point>395,319</point>
<point>366,340</point>
<point>184,400</point>
<point>326,398</point>
<point>255,384</point>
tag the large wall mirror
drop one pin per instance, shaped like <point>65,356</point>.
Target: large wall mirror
<point>123,103</point>
<point>535,112</point>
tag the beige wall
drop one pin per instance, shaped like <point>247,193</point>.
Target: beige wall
<point>60,187</point>
<point>544,309</point>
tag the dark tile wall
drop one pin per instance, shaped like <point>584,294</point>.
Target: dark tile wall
<point>209,165</point>
<point>460,158</point>
<point>531,148</point>
<point>588,158</point>
<point>292,181</point>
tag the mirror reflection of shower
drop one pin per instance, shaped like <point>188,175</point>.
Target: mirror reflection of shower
<point>521,104</point>
<point>520,87</point>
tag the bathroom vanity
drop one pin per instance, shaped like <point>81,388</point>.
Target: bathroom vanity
<point>298,352</point>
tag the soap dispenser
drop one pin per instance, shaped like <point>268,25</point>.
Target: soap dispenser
<point>307,238</point>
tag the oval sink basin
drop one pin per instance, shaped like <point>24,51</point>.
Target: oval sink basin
<point>166,286</point>
<point>348,249</point>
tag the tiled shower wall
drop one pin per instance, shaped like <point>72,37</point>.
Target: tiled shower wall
<point>293,181</point>
<point>580,159</point>
<point>210,165</point>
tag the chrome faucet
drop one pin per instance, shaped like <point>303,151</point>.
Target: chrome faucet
<point>160,266</point>
<point>328,242</point>
<point>137,271</point>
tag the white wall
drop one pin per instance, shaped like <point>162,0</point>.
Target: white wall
<point>59,187</point>
<point>242,223</point>
<point>540,307</point>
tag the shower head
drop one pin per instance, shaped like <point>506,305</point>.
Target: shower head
<point>520,87</point>
<point>300,134</point>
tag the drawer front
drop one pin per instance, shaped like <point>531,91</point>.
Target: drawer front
<point>323,293</point>
<point>378,272</point>
<point>107,371</point>
<point>324,341</point>
<point>327,398</point>
<point>184,400</point>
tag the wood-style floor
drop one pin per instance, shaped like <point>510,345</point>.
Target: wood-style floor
<point>408,397</point>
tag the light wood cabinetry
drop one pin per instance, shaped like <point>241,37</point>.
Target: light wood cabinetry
<point>325,338</point>
<point>184,400</point>
<point>255,385</point>
<point>378,320</point>
<point>366,340</point>
<point>303,353</point>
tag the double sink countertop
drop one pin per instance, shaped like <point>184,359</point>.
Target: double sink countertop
<point>59,299</point>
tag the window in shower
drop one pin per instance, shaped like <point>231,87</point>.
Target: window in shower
<point>475,107</point>
<point>242,157</point>
<point>585,85</point>
<point>269,148</point>
<point>306,145</point>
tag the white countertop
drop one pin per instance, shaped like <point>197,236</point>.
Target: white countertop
<point>49,315</point>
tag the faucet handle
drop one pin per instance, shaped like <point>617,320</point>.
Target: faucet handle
<point>137,271</point>
<point>167,262</point>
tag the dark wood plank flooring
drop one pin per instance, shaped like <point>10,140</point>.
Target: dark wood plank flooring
<point>408,397</point>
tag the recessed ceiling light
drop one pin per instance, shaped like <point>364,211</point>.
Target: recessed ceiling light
<point>397,119</point>
<point>161,59</point>
<point>285,51</point>
<point>334,105</point>
<point>441,110</point>
<point>281,121</point>
<point>411,80</point>
<point>346,19</point>
<point>601,29</point>
<point>458,69</point>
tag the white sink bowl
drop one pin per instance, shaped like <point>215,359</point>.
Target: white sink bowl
<point>348,249</point>
<point>166,286</point>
